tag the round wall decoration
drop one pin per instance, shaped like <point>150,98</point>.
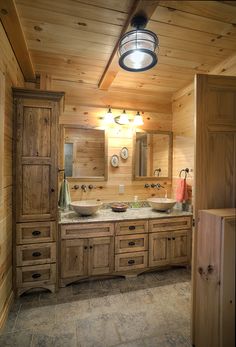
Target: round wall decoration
<point>115,160</point>
<point>124,153</point>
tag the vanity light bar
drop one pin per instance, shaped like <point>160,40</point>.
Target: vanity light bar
<point>123,119</point>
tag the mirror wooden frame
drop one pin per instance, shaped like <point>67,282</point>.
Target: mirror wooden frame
<point>61,155</point>
<point>170,159</point>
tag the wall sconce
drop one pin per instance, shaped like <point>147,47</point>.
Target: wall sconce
<point>122,119</point>
<point>138,119</point>
<point>108,118</point>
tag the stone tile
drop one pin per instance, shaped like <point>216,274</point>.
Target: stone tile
<point>42,341</point>
<point>10,323</point>
<point>97,331</point>
<point>33,317</point>
<point>72,311</point>
<point>16,339</point>
<point>48,297</point>
<point>136,343</point>
<point>171,339</point>
<point>57,334</point>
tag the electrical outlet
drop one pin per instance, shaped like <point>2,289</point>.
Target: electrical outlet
<point>121,188</point>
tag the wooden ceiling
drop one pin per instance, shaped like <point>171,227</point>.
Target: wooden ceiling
<point>72,41</point>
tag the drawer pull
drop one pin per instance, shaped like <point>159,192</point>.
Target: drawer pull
<point>36,275</point>
<point>36,233</point>
<point>131,262</point>
<point>173,238</point>
<point>36,254</point>
<point>131,227</point>
<point>131,243</point>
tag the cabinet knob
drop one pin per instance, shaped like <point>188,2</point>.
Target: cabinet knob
<point>36,275</point>
<point>169,238</point>
<point>131,262</point>
<point>131,243</point>
<point>85,247</point>
<point>52,190</point>
<point>200,271</point>
<point>90,247</point>
<point>36,254</point>
<point>131,227</point>
<point>173,238</point>
<point>36,233</point>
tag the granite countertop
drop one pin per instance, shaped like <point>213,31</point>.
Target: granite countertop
<point>107,215</point>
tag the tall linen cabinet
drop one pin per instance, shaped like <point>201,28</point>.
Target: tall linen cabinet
<point>36,115</point>
<point>215,280</point>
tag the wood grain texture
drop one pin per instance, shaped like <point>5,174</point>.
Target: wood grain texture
<point>10,69</point>
<point>11,22</point>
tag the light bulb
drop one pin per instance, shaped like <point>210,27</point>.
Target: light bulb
<point>137,58</point>
<point>123,118</point>
<point>108,118</point>
<point>138,119</point>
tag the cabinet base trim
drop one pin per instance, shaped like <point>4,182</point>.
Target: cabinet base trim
<point>51,287</point>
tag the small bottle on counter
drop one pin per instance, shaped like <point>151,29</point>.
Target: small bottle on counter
<point>135,204</point>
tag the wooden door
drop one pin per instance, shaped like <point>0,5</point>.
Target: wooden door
<point>159,248</point>
<point>74,258</point>
<point>215,153</point>
<point>101,255</point>
<point>36,159</point>
<point>180,246</point>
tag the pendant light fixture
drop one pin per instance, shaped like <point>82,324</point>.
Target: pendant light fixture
<point>137,47</point>
<point>138,119</point>
<point>122,119</point>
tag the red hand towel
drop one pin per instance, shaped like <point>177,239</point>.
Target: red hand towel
<point>181,191</point>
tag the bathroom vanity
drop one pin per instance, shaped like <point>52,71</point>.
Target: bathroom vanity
<point>125,244</point>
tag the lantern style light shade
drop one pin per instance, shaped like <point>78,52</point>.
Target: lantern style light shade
<point>137,47</point>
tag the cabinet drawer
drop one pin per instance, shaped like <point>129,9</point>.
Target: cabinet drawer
<point>131,261</point>
<point>38,274</point>
<point>131,243</point>
<point>35,232</point>
<point>166,224</point>
<point>42,253</point>
<point>86,230</point>
<point>131,227</point>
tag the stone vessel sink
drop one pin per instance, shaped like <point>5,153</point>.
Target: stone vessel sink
<point>86,207</point>
<point>161,204</point>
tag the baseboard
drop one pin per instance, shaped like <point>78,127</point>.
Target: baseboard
<point>6,309</point>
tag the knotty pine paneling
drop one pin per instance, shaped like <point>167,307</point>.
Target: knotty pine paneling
<point>183,138</point>
<point>118,137</point>
<point>10,75</point>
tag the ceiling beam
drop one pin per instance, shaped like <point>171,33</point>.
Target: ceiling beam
<point>139,6</point>
<point>12,26</point>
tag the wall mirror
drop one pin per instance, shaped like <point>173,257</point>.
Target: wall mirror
<point>84,153</point>
<point>152,155</point>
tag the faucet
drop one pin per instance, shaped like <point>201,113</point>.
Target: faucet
<point>157,172</point>
<point>84,187</point>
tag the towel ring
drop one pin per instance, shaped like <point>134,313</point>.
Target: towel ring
<point>186,171</point>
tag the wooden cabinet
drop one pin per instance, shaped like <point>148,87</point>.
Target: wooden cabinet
<point>214,298</point>
<point>36,115</point>
<point>131,246</point>
<point>83,256</point>
<point>123,248</point>
<point>172,246</point>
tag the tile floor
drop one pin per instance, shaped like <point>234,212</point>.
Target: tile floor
<point>151,310</point>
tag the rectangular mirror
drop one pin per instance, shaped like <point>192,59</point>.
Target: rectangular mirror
<point>84,153</point>
<point>152,155</point>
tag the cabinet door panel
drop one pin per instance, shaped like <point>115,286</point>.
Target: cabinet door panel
<point>180,246</point>
<point>159,249</point>
<point>36,132</point>
<point>101,255</point>
<point>74,258</point>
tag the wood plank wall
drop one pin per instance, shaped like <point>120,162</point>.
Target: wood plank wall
<point>118,137</point>
<point>10,75</point>
<point>183,139</point>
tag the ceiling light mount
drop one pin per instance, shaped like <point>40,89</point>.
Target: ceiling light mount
<point>137,47</point>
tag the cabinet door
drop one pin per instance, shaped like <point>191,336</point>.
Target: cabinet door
<point>74,258</point>
<point>159,249</point>
<point>36,160</point>
<point>101,255</point>
<point>180,246</point>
